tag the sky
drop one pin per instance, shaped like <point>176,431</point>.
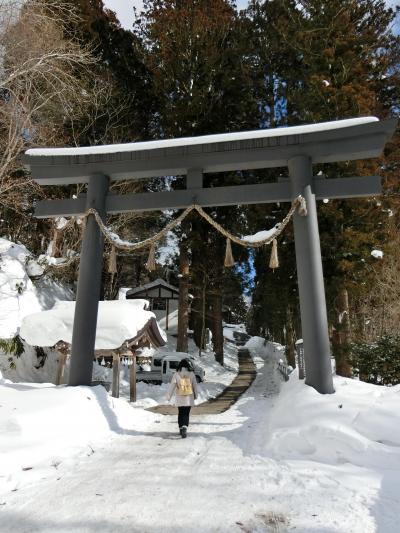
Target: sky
<point>124,9</point>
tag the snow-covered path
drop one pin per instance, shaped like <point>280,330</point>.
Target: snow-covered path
<point>227,476</point>
<point>153,481</point>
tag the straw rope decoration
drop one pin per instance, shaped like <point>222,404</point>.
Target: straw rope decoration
<point>298,204</point>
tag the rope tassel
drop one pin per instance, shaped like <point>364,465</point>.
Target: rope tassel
<point>274,261</point>
<point>112,261</point>
<point>151,261</point>
<point>229,261</point>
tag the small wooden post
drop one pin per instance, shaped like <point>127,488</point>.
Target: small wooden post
<point>166,317</point>
<point>115,381</point>
<point>62,358</point>
<point>132,378</point>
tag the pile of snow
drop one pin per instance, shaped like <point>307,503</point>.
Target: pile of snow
<point>29,367</point>
<point>172,322</point>
<point>236,327</point>
<point>234,332</point>
<point>19,296</point>
<point>359,424</point>
<point>228,334</point>
<point>122,293</point>
<point>261,236</point>
<point>41,425</point>
<point>117,322</point>
<point>378,254</point>
<point>255,343</point>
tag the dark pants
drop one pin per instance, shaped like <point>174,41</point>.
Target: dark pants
<point>183,416</point>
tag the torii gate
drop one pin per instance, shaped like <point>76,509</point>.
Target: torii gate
<point>297,147</point>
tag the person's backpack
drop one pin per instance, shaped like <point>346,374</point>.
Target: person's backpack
<point>184,386</point>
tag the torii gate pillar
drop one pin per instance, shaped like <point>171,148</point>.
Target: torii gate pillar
<point>89,285</point>
<point>314,319</point>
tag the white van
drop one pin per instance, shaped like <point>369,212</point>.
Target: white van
<point>163,367</point>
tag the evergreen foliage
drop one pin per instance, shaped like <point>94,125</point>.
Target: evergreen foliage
<point>329,60</point>
<point>13,347</point>
<point>377,363</point>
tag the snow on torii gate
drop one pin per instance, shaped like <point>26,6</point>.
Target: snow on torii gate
<point>297,147</point>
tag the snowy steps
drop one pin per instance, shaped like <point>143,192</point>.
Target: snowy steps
<point>220,404</point>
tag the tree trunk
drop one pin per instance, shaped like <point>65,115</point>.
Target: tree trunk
<point>342,335</point>
<point>217,330</point>
<point>202,343</point>
<point>183,309</point>
<point>196,316</point>
<point>290,349</point>
<point>198,241</point>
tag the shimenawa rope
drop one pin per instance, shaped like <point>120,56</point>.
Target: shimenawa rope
<point>298,204</point>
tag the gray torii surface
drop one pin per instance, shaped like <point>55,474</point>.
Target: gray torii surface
<point>297,147</point>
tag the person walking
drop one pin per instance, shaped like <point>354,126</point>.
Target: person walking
<point>184,384</point>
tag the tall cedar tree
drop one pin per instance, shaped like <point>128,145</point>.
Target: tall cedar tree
<point>196,53</point>
<point>342,61</point>
<point>119,52</point>
<point>126,117</point>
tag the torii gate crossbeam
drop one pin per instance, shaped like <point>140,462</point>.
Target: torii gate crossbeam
<point>297,147</point>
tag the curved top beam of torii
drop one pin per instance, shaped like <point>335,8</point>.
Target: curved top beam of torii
<point>341,140</point>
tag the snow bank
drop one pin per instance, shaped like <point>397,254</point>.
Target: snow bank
<point>118,321</point>
<point>255,343</point>
<point>27,367</point>
<point>43,424</point>
<point>234,332</point>
<point>122,293</point>
<point>228,334</point>
<point>358,424</point>
<point>172,322</point>
<point>19,296</point>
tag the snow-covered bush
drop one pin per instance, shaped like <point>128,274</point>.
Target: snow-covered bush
<point>21,295</point>
<point>12,347</point>
<point>377,363</point>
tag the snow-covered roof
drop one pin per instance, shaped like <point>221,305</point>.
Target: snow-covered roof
<point>118,322</point>
<point>202,139</point>
<point>325,142</point>
<point>152,285</point>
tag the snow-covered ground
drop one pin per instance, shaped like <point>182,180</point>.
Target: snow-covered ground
<point>283,458</point>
